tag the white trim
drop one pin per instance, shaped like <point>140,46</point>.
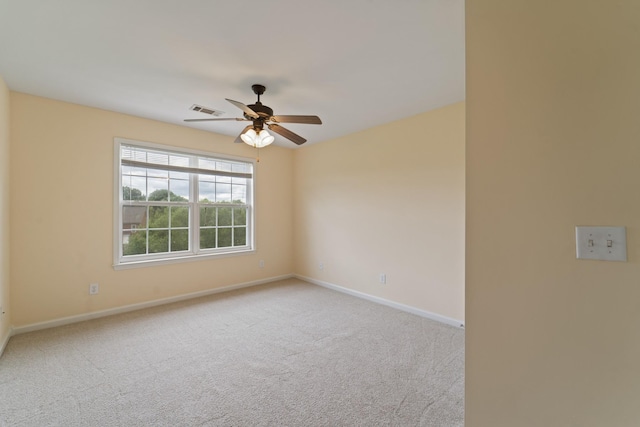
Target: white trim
<point>139,306</point>
<point>179,259</point>
<point>117,196</point>
<point>413,310</point>
<point>182,150</point>
<point>5,341</point>
<point>194,254</point>
<point>133,307</point>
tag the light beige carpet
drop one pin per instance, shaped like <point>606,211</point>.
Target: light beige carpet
<point>283,354</point>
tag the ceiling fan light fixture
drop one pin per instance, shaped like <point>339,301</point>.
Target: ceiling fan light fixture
<point>249,136</point>
<point>259,139</point>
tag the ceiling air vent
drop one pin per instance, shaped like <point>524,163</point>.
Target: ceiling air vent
<point>210,111</point>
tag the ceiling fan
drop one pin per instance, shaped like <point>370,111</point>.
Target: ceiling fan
<point>261,115</point>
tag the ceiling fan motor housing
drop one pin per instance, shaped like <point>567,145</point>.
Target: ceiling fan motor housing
<point>263,111</point>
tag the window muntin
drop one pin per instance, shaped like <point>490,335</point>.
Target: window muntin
<point>177,204</point>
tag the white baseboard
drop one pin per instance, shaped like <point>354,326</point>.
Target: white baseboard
<point>4,341</point>
<point>132,307</point>
<point>422,313</point>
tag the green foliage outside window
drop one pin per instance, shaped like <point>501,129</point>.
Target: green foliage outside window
<point>219,226</point>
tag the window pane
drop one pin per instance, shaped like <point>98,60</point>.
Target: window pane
<point>239,216</point>
<point>158,189</point>
<point>134,217</point>
<point>138,155</point>
<point>224,216</point>
<point>223,166</point>
<point>179,190</point>
<point>224,237</point>
<point>179,216</point>
<point>157,173</point>
<point>158,217</point>
<point>207,238</point>
<point>179,161</point>
<point>207,217</point>
<point>239,193</point>
<point>157,158</point>
<point>179,240</point>
<point>239,236</point>
<point>207,192</point>
<point>240,167</point>
<point>207,178</point>
<point>125,152</point>
<point>223,192</point>
<point>129,194</point>
<point>134,242</point>
<point>138,186</point>
<point>178,175</point>
<point>158,241</point>
<point>207,164</point>
<point>138,171</point>
<point>223,179</point>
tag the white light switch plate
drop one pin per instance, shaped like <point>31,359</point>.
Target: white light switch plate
<point>603,243</point>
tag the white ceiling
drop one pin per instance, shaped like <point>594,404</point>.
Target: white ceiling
<point>354,63</point>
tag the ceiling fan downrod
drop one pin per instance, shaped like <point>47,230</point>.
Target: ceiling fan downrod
<point>258,90</point>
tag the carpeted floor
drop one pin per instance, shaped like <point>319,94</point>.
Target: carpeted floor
<point>283,354</point>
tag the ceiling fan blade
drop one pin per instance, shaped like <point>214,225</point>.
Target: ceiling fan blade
<point>310,120</point>
<point>248,111</point>
<point>287,133</point>
<point>238,119</point>
<point>238,139</point>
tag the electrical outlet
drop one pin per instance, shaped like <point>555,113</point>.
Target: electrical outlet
<point>383,278</point>
<point>261,263</point>
<point>94,288</point>
<point>321,266</point>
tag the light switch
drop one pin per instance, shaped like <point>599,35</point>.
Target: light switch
<point>603,243</point>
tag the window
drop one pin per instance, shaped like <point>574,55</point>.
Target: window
<point>174,204</point>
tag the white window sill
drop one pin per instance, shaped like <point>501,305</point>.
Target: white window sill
<point>177,260</point>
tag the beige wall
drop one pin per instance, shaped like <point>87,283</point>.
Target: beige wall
<point>62,213</point>
<point>5,320</point>
<point>387,200</point>
<point>553,141</point>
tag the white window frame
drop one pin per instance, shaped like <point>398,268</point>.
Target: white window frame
<point>194,253</point>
